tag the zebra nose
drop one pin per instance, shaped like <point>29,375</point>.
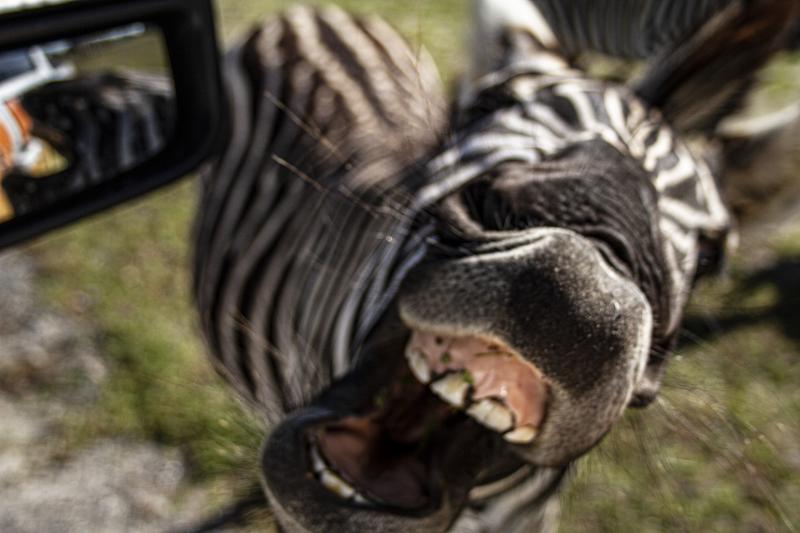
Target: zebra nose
<point>554,300</point>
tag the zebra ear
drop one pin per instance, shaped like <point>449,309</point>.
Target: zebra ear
<point>699,82</point>
<point>506,31</point>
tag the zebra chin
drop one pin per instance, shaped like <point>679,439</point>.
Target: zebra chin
<point>525,354</point>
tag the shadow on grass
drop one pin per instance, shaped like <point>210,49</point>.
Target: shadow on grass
<point>782,278</point>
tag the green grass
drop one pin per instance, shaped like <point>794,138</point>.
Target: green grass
<point>719,452</point>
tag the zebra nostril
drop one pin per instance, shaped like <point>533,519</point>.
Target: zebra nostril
<point>648,388</point>
<point>646,392</point>
<point>641,400</point>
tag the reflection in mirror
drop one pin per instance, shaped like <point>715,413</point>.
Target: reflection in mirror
<point>78,112</point>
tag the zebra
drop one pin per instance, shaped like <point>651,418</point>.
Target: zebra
<point>437,310</point>
<point>93,126</point>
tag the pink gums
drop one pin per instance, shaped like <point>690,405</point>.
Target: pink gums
<point>496,372</point>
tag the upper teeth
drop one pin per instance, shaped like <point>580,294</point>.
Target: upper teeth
<point>521,435</point>
<point>452,388</point>
<point>419,365</point>
<point>492,414</point>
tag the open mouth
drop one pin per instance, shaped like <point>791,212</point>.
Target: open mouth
<point>387,457</point>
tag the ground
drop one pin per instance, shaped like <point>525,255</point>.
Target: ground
<point>104,385</point>
<point>52,376</point>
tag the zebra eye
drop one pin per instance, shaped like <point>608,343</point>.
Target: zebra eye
<point>711,256</point>
<point>491,209</point>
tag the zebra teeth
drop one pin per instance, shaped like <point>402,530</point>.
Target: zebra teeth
<point>361,500</point>
<point>418,364</point>
<point>492,414</point>
<point>453,388</point>
<point>317,462</point>
<point>521,435</point>
<point>332,481</point>
<point>336,485</point>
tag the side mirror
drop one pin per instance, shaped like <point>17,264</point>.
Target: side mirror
<point>102,101</point>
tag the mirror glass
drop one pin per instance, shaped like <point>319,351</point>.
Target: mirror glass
<point>78,112</point>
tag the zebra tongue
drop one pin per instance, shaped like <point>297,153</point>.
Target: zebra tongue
<point>385,454</point>
<point>355,449</point>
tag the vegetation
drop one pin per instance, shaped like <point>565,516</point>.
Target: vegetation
<point>720,451</point>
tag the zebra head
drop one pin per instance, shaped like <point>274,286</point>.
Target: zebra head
<point>439,318</point>
<point>513,345</point>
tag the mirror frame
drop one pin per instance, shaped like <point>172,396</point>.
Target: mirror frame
<point>189,35</point>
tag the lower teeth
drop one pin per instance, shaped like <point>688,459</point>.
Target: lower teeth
<point>336,485</point>
<point>333,482</point>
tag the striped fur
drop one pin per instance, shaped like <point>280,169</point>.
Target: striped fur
<point>313,92</point>
<point>553,110</point>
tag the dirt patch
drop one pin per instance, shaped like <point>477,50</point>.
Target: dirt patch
<point>51,368</point>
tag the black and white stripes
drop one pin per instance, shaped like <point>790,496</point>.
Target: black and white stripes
<point>307,223</point>
<point>551,111</point>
